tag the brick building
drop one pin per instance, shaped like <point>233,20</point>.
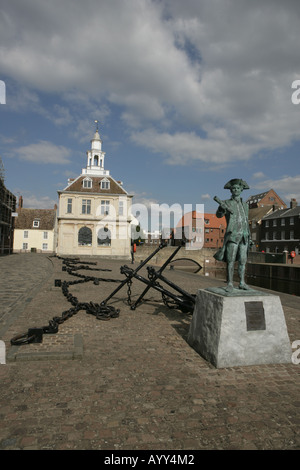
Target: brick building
<point>152,238</point>
<point>267,198</point>
<point>207,229</point>
<point>214,231</point>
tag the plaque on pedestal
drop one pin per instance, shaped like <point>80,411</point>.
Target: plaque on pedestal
<point>239,328</point>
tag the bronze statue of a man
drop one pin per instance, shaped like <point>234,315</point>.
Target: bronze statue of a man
<point>237,236</point>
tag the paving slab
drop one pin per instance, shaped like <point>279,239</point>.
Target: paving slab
<point>133,382</point>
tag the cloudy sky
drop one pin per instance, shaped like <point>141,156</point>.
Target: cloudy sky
<point>188,94</point>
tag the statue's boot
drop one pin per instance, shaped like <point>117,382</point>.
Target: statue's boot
<point>229,287</point>
<point>242,284</point>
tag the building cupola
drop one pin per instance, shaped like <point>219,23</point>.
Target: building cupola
<point>95,157</point>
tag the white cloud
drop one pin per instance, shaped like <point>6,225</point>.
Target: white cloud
<point>287,187</point>
<point>4,139</point>
<point>63,116</point>
<point>21,99</point>
<point>183,147</point>
<point>43,152</point>
<point>33,201</point>
<point>43,202</point>
<point>258,174</point>
<point>220,71</point>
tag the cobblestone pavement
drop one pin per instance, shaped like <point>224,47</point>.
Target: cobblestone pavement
<point>133,382</point>
<point>21,276</point>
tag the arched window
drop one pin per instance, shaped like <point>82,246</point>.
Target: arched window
<point>104,237</point>
<point>85,236</point>
<point>96,159</point>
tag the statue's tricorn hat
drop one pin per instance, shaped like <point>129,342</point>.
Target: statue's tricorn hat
<point>236,181</point>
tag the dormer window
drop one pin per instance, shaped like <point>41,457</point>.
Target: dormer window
<point>87,183</point>
<point>36,223</point>
<point>105,184</point>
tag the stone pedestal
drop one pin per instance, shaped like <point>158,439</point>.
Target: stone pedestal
<point>239,328</point>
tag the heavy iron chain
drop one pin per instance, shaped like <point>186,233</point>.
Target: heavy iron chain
<point>101,312</point>
<point>129,284</point>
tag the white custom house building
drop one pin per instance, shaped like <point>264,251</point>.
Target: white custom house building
<point>94,211</point>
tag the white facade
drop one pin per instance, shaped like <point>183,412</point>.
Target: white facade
<point>94,211</point>
<point>41,241</point>
<point>35,230</point>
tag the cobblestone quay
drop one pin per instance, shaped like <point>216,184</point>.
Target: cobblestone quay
<point>133,382</point>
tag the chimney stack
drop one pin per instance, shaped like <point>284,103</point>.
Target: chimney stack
<point>293,203</point>
<point>20,202</point>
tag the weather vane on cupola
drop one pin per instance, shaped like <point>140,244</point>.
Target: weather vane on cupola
<point>96,121</point>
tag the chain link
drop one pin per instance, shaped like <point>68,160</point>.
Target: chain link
<point>129,284</point>
<point>100,311</point>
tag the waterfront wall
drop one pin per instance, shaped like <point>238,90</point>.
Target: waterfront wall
<point>282,272</point>
<point>256,265</point>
